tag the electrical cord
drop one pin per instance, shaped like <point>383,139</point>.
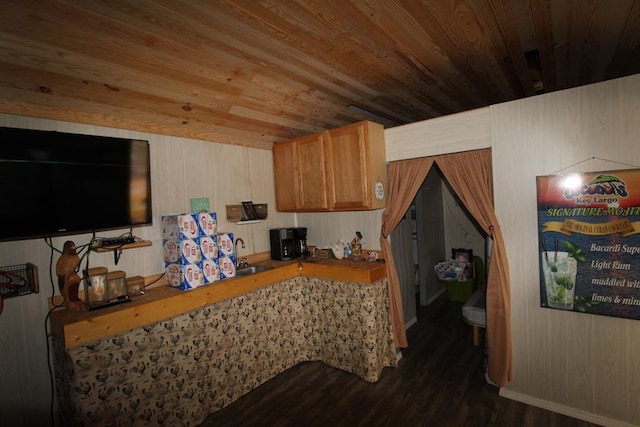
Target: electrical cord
<point>51,380</point>
<point>46,327</point>
<point>159,277</point>
<point>84,250</point>
<point>54,306</point>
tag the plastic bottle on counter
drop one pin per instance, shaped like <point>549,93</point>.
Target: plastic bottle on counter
<point>347,250</point>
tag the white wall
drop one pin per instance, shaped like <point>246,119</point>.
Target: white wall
<point>402,249</point>
<point>181,169</point>
<point>330,227</point>
<point>587,366</point>
<point>460,231</point>
<point>582,365</point>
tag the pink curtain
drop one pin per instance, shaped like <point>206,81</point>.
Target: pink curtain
<point>469,174</point>
<point>405,179</point>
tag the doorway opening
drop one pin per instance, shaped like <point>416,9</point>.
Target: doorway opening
<point>442,224</point>
<point>435,223</point>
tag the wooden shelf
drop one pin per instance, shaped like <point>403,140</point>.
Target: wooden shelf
<point>133,245</point>
<point>117,249</point>
<point>234,213</point>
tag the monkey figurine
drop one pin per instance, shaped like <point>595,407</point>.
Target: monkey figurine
<point>68,280</point>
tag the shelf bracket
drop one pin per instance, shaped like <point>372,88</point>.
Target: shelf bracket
<point>116,256</point>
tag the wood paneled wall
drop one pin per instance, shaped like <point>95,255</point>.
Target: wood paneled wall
<point>581,362</point>
<point>460,230</point>
<point>331,227</point>
<point>181,169</point>
<point>430,233</point>
<point>402,248</point>
<point>582,365</point>
<point>466,131</point>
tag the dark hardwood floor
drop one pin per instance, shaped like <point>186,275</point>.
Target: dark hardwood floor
<point>439,382</point>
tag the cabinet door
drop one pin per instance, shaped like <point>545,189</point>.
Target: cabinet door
<point>312,175</point>
<point>338,170</point>
<point>284,168</point>
<point>348,168</point>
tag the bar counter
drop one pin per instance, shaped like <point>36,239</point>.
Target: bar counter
<point>162,302</point>
<point>172,357</point>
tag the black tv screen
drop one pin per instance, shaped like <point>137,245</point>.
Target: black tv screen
<point>56,183</point>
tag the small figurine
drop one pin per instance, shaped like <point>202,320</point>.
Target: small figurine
<point>68,280</point>
<point>356,244</point>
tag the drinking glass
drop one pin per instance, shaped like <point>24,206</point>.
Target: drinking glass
<point>560,272</point>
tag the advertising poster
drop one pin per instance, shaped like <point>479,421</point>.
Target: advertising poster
<point>589,239</point>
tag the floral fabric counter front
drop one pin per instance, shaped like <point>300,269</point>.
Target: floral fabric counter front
<point>178,371</point>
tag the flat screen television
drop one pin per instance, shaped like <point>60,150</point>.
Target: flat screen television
<point>55,183</point>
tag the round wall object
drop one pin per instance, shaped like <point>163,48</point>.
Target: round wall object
<point>379,190</point>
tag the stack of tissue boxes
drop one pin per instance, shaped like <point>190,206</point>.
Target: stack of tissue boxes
<point>226,256</point>
<point>194,254</point>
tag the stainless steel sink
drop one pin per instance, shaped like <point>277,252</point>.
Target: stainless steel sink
<point>245,271</point>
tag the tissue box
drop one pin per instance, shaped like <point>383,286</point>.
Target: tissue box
<point>208,247</point>
<point>207,223</point>
<point>225,245</point>
<point>179,227</point>
<point>186,251</point>
<point>210,271</point>
<point>227,267</point>
<point>184,277</point>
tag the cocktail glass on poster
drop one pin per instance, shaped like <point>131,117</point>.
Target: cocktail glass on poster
<point>560,271</point>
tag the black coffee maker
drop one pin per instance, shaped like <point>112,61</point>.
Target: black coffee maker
<point>288,243</point>
<point>300,242</point>
<point>282,245</point>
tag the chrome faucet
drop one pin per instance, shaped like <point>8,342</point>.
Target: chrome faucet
<point>239,262</point>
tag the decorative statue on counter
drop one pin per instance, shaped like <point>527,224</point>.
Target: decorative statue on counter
<point>356,244</point>
<point>68,280</point>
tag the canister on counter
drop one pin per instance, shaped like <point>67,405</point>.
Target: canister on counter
<point>135,286</point>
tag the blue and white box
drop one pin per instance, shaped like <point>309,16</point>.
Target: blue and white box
<point>225,245</point>
<point>227,267</point>
<point>208,247</point>
<point>210,271</point>
<point>170,251</point>
<point>179,227</point>
<point>189,251</point>
<point>172,274</point>
<point>184,277</point>
<point>207,223</point>
<point>186,251</point>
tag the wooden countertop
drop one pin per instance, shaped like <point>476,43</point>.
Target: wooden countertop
<point>162,302</point>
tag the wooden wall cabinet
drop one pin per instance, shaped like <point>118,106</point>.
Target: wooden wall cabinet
<point>342,169</point>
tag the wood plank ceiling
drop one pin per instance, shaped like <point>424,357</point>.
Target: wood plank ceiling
<point>255,72</point>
